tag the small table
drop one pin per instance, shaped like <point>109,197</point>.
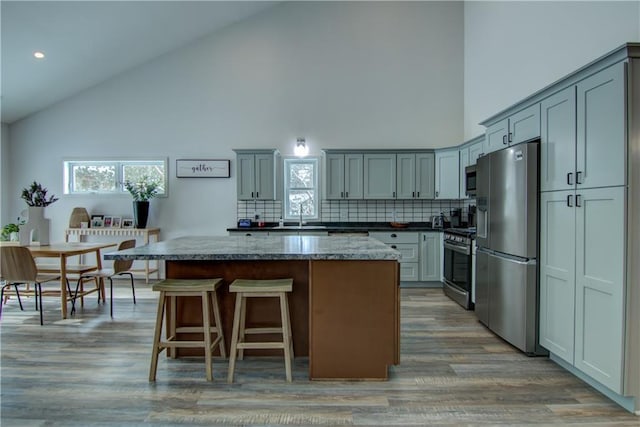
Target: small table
<point>145,233</point>
<point>64,251</point>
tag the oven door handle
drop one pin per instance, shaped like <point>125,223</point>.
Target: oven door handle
<point>466,250</point>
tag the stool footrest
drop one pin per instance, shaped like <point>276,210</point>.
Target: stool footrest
<point>260,345</point>
<point>263,331</point>
<point>195,329</point>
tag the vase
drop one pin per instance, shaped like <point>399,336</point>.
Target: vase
<point>141,213</point>
<point>36,230</point>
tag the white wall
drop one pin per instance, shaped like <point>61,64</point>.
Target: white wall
<point>343,75</point>
<point>513,49</point>
<point>4,175</point>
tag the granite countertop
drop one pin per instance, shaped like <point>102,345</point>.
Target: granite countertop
<point>339,227</point>
<point>260,248</point>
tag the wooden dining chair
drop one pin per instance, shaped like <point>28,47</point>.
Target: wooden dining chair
<point>120,268</point>
<point>17,266</point>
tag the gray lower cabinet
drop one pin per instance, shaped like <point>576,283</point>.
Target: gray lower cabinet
<point>582,288</point>
<point>430,243</point>
<point>406,242</point>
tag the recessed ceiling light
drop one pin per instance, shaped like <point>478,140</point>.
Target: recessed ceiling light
<point>38,54</point>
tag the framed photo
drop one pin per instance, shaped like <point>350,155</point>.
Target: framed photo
<point>203,168</point>
<point>107,221</point>
<point>127,223</point>
<point>97,221</point>
<point>116,221</point>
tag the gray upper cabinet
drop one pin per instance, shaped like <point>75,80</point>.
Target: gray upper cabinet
<point>415,174</point>
<point>496,136</point>
<point>256,174</point>
<point>344,176</point>
<point>379,176</point>
<point>521,126</point>
<point>558,141</point>
<point>447,174</point>
<point>584,135</point>
<point>601,137</point>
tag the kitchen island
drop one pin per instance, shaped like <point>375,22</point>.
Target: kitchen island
<point>345,305</point>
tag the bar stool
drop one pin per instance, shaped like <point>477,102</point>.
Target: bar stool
<point>277,288</point>
<point>172,288</point>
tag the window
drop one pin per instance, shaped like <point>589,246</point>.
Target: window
<point>301,188</point>
<point>108,176</point>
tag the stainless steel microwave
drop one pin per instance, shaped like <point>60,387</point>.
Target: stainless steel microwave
<point>470,180</point>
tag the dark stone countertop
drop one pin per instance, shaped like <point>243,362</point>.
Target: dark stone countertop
<point>340,227</point>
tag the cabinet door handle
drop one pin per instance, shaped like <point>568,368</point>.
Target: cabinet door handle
<point>570,200</point>
<point>394,235</point>
<point>252,194</point>
<point>437,193</point>
<point>394,247</point>
<point>394,194</point>
<point>578,200</point>
<point>413,194</point>
<point>248,234</point>
<point>418,194</point>
<point>346,194</point>
<point>342,194</point>
<point>579,177</point>
<point>257,195</point>
<point>570,178</point>
<point>510,137</point>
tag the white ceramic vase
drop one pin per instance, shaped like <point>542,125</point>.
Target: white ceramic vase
<point>36,230</point>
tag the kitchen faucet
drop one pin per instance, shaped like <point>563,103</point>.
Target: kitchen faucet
<point>300,222</point>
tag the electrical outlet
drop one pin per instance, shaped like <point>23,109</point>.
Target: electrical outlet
<point>257,215</point>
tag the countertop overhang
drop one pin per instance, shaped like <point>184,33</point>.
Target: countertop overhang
<point>220,248</point>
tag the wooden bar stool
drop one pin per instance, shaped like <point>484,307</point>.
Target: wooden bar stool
<point>172,288</point>
<point>277,288</point>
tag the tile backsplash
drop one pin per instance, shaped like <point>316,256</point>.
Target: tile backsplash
<point>360,210</point>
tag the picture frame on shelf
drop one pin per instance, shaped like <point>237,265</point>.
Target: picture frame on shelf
<point>107,221</point>
<point>127,223</point>
<point>97,221</point>
<point>116,222</point>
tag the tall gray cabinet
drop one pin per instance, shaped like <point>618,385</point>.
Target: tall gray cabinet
<point>590,222</point>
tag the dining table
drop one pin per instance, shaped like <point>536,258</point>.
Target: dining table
<point>63,251</point>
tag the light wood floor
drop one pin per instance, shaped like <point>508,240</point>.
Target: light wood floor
<point>91,370</point>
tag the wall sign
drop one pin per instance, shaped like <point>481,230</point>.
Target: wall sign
<point>203,168</point>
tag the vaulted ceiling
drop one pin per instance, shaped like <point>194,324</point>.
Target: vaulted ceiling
<point>88,42</point>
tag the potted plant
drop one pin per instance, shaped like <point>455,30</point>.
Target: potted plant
<point>10,231</point>
<point>36,195</point>
<point>142,191</point>
<point>36,230</point>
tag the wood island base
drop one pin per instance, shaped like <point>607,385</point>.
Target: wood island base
<point>345,314</point>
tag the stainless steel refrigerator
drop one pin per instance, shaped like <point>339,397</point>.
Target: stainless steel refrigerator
<point>507,245</point>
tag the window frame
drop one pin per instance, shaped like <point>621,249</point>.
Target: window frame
<point>119,163</point>
<point>316,187</point>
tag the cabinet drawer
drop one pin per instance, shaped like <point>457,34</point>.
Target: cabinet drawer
<point>395,236</point>
<point>408,251</point>
<point>409,271</point>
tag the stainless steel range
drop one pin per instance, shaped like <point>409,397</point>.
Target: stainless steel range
<point>458,244</point>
